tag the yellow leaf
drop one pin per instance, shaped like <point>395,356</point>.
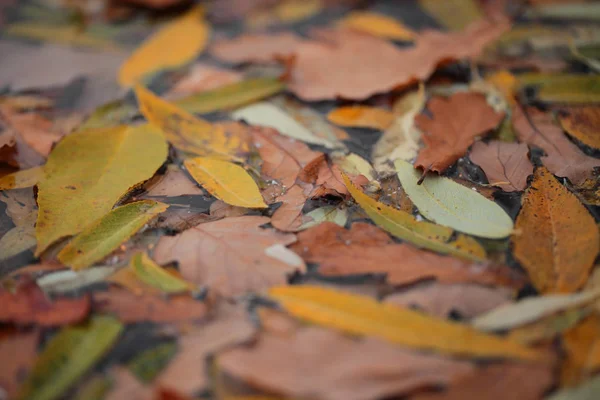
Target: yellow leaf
<point>63,34</point>
<point>153,275</point>
<point>176,44</point>
<point>21,179</point>
<point>186,132</point>
<point>226,181</point>
<point>506,83</point>
<point>88,172</point>
<point>361,315</point>
<point>362,117</point>
<point>377,25</point>
<point>107,233</point>
<point>420,233</point>
<point>453,14</point>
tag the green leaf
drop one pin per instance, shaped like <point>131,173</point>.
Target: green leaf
<point>583,11</point>
<point>448,203</point>
<point>152,274</point>
<point>21,179</point>
<point>104,235</point>
<point>147,365</point>
<point>563,88</point>
<point>586,391</point>
<point>67,356</point>
<point>88,172</point>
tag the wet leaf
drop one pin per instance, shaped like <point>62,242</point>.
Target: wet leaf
<point>363,316</point>
<point>67,356</point>
<point>557,239</point>
<point>88,172</point>
<point>506,165</point>
<point>456,122</point>
<point>21,179</point>
<point>226,181</point>
<point>361,117</point>
<point>20,349</point>
<point>582,124</point>
<point>346,366</point>
<point>420,233</point>
<point>377,25</point>
<point>29,305</point>
<point>107,233</point>
<point>258,47</point>
<point>563,88</point>
<point>177,43</point>
<point>453,14</point>
<point>151,274</point>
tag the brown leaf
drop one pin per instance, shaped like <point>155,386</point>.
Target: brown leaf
<point>582,123</point>
<point>130,308</point>
<point>456,122</point>
<point>173,183</point>
<point>229,255</point>
<point>37,269</point>
<point>29,305</point>
<point>18,351</point>
<point>582,347</point>
<point>439,299</point>
<point>328,68</point>
<point>324,364</point>
<point>556,238</point>
<point>366,249</point>
<point>563,158</point>
<point>288,217</point>
<point>257,48</point>
<point>203,77</point>
<point>219,209</point>
<point>506,165</point>
<point>187,372</point>
<point>154,4</point>
<point>125,385</point>
<point>499,382</point>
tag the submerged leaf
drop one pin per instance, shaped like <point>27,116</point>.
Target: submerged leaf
<point>88,172</point>
<point>107,233</point>
<point>226,181</point>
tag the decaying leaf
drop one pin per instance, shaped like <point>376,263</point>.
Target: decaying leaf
<point>173,183</point>
<point>557,239</point>
<point>563,88</point>
<point>175,44</point>
<point>506,165</point>
<point>338,216</point>
<point>87,172</point>
<point>582,347</point>
<point>204,78</point>
<point>288,217</point>
<point>456,122</point>
<point>420,233</point>
<point>153,275</point>
<point>21,179</point>
<point>258,48</point>
<point>228,255</point>
<point>366,249</point>
<point>347,366</point>
<point>377,25</point>
<point>19,352</point>
<point>104,235</point>
<point>362,117</point>
<point>226,181</point>
<point>453,14</point>
<point>583,124</point>
<point>364,316</point>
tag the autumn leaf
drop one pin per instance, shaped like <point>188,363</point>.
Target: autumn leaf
<point>582,124</point>
<point>107,233</point>
<point>151,274</point>
<point>226,181</point>
<point>581,345</point>
<point>288,217</point>
<point>455,15</point>
<point>346,366</point>
<point>202,78</point>
<point>87,172</point>
<point>21,179</point>
<point>420,233</point>
<point>175,44</point>
<point>173,183</point>
<point>363,316</point>
<point>258,48</point>
<point>20,348</point>
<point>456,122</point>
<point>564,88</point>
<point>506,165</point>
<point>22,210</point>
<point>361,117</point>
<point>377,25</point>
<point>229,256</point>
<point>585,391</point>
<point>558,239</point>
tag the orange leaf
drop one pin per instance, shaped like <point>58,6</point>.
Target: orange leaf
<point>583,124</point>
<point>582,348</point>
<point>362,117</point>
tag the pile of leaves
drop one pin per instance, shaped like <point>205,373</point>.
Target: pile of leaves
<point>299,199</point>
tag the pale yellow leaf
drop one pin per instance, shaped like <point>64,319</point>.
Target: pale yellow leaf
<point>21,179</point>
<point>377,25</point>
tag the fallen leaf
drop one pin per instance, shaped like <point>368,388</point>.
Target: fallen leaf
<point>22,210</point>
<point>21,179</point>
<point>581,11</point>
<point>29,305</point>
<point>36,269</point>
<point>448,203</point>
<point>20,349</point>
<point>155,276</point>
<point>257,47</point>
<point>377,25</point>
<point>131,308</point>
<point>354,165</point>
<point>126,386</point>
<point>557,239</point>
<point>506,165</point>
<point>285,12</point>
<point>64,34</point>
<point>203,78</point>
<point>285,365</point>
<point>187,132</point>
<point>549,328</point>
<point>327,179</point>
<point>172,184</point>
<point>562,158</point>
<point>360,315</point>
<point>104,235</point>
<point>177,43</point>
<point>226,181</point>
<point>582,349</point>
<point>228,255</point>
<point>441,300</point>
<point>455,15</point>
<point>69,355</point>
<point>420,233</point>
<point>288,217</point>
<point>582,124</point>
<point>585,391</point>
<point>361,117</point>
<point>563,88</point>
<point>366,249</point>
<point>88,172</point>
<point>328,69</point>
<point>37,132</point>
<point>456,122</point>
<point>68,281</point>
<point>531,309</point>
<point>149,363</point>
<point>219,209</point>
<point>338,216</point>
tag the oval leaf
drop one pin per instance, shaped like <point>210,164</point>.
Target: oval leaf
<point>103,236</point>
<point>361,315</point>
<point>451,204</point>
<point>420,233</point>
<point>361,117</point>
<point>226,181</point>
<point>152,274</point>
<point>377,25</point>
